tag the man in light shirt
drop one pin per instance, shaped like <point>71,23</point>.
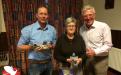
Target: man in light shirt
<point>97,36</point>
<point>39,38</point>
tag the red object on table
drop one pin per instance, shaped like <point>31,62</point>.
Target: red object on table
<point>6,73</point>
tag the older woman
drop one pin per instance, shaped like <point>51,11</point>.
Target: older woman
<point>70,44</point>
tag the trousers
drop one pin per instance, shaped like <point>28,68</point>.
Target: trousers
<point>97,65</point>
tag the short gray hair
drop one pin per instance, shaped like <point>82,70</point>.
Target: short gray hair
<point>69,20</point>
<point>88,7</point>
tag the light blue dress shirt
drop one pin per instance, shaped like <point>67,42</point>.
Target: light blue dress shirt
<point>34,34</point>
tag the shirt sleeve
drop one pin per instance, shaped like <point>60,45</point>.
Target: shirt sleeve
<point>57,51</point>
<point>107,42</point>
<point>54,36</point>
<point>25,36</point>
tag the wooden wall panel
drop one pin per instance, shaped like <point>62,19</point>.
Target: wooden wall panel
<point>116,38</point>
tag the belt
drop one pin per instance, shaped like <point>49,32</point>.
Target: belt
<point>31,61</point>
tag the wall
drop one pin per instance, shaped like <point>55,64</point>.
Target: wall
<point>2,24</point>
<point>110,16</point>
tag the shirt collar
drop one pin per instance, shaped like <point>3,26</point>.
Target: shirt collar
<point>40,28</point>
<point>92,26</point>
<point>65,36</point>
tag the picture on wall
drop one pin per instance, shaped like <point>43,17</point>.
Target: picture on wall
<point>109,4</point>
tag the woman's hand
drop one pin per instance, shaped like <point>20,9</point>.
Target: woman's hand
<point>78,61</point>
<point>69,60</point>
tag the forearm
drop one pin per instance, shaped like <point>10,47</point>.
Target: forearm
<point>24,47</point>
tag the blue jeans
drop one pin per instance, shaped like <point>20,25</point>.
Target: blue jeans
<point>40,69</point>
